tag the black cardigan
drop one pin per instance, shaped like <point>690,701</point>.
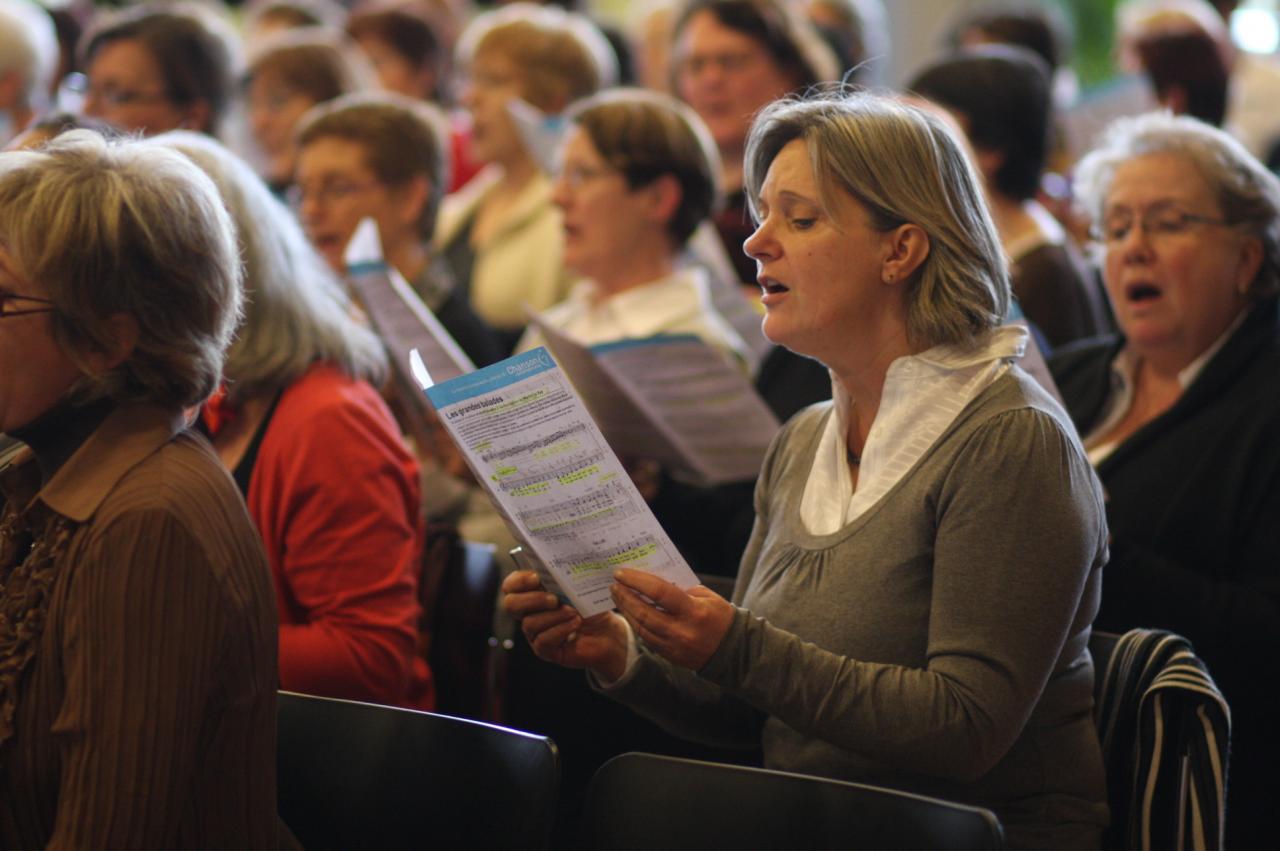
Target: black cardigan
<point>1194,511</point>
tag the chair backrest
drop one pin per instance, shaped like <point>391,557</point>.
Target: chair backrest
<point>357,775</point>
<point>644,801</point>
<point>1165,731</point>
<point>459,599</point>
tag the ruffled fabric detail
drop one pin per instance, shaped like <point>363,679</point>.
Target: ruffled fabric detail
<point>33,544</point>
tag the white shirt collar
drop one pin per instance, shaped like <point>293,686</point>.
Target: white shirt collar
<point>679,302</point>
<point>1123,369</point>
<point>922,396</point>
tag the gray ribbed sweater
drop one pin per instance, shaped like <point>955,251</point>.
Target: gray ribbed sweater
<point>937,643</point>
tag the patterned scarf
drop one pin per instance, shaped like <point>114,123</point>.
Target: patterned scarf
<point>33,543</point>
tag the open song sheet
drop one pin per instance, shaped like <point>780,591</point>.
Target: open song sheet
<point>534,447</point>
<point>672,399</point>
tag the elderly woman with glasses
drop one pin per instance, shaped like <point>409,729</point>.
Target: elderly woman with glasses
<point>914,606</point>
<point>1180,414</point>
<point>137,621</point>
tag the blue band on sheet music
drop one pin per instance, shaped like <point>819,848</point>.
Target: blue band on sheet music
<point>364,267</point>
<point>491,378</point>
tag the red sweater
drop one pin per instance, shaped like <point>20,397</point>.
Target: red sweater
<point>335,494</point>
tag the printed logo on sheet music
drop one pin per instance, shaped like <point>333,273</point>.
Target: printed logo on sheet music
<point>541,360</point>
<point>490,378</point>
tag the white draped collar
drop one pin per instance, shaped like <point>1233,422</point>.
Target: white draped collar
<point>922,396</point>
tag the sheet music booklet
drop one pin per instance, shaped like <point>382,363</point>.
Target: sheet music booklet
<point>531,443</point>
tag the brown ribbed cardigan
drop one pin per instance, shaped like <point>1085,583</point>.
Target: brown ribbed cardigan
<point>146,718</point>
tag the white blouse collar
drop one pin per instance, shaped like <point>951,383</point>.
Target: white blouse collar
<point>922,396</point>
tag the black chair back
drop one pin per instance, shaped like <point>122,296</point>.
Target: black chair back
<point>357,775</point>
<point>644,801</point>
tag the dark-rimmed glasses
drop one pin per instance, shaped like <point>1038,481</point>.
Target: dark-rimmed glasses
<point>7,309</point>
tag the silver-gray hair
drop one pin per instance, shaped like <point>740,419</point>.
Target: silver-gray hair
<point>297,311</point>
<point>29,48</point>
<point>903,165</point>
<point>126,228</point>
<point>1248,193</point>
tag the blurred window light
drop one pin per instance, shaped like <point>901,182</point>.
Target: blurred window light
<point>1254,28</point>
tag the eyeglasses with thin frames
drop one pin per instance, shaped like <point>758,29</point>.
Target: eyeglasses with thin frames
<point>7,310</point>
<point>78,84</point>
<point>1160,221</point>
<point>728,62</point>
<point>575,175</point>
<point>327,193</point>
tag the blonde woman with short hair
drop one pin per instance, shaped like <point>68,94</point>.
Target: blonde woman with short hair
<point>914,607</point>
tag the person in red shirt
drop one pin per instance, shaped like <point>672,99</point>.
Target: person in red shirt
<point>329,482</point>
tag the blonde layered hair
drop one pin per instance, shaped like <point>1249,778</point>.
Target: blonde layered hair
<point>126,228</point>
<point>297,312</point>
<point>903,165</point>
<point>561,55</point>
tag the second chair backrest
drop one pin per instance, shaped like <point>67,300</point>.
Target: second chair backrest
<point>356,775</point>
<point>644,801</point>
<point>1165,731</point>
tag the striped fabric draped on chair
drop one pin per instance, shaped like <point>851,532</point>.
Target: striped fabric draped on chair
<point>1165,731</point>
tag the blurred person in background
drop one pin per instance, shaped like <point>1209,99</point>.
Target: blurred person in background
<point>999,95</point>
<point>730,58</point>
<point>149,69</point>
<point>637,174</point>
<point>289,73</point>
<point>263,19</point>
<point>28,65</point>
<point>1036,26</point>
<point>410,44</point>
<point>858,32</point>
<point>1253,82</point>
<point>501,233</point>
<point>385,157</point>
<point>402,44</point>
<point>1187,71</point>
<point>329,483</point>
